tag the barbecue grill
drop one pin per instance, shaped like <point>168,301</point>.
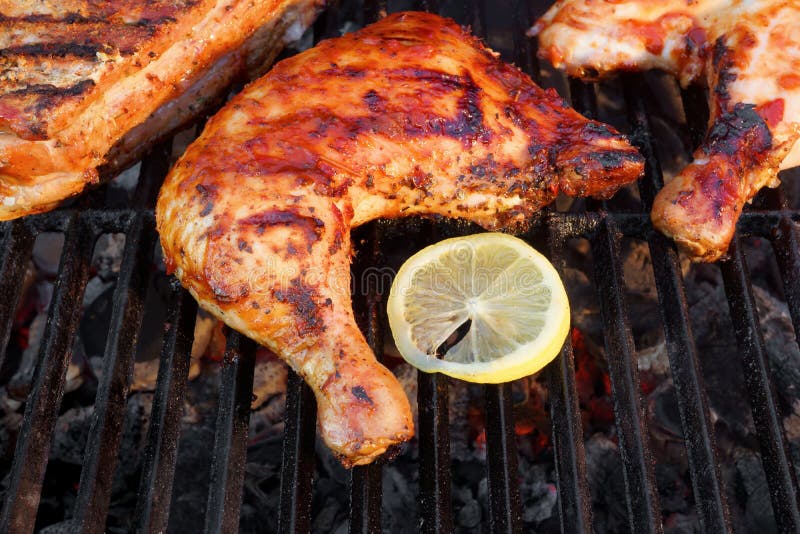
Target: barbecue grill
<point>502,24</point>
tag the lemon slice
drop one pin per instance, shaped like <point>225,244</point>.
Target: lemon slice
<point>502,298</point>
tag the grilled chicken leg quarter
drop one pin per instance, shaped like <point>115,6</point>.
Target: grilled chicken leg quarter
<point>746,51</point>
<point>411,115</point>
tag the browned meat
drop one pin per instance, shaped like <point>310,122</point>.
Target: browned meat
<point>85,84</point>
<point>411,115</point>
<point>746,51</point>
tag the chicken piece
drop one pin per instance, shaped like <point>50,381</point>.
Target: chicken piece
<point>748,54</point>
<point>410,115</point>
<point>87,87</point>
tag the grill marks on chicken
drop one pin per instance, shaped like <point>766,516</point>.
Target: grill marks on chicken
<point>411,115</point>
<point>53,55</point>
<point>746,51</point>
<point>87,85</point>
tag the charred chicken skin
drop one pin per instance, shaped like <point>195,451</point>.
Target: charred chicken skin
<point>410,115</point>
<point>87,87</point>
<point>746,51</point>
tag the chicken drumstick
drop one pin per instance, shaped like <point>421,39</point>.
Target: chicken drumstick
<point>747,52</point>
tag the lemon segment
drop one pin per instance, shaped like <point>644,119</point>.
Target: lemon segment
<point>503,299</point>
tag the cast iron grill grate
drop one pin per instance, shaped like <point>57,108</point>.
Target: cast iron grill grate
<point>775,221</point>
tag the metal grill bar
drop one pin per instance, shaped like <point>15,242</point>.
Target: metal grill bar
<point>524,56</point>
<point>644,514</point>
<point>230,438</point>
<point>501,457</point>
<point>786,242</point>
<point>41,410</point>
<point>365,499</point>
<point>575,506</point>
<point>583,97</point>
<point>17,244</point>
<point>781,477</point>
<point>373,9</point>
<point>326,26</point>
<point>436,507</point>
<point>366,486</point>
<point>297,466</point>
<point>100,457</point>
<point>641,137</point>
<point>158,471</point>
<point>689,389</point>
<point>574,502</point>
<point>153,171</point>
<point>696,112</point>
<point>475,13</point>
<point>684,364</point>
<point>431,6</point>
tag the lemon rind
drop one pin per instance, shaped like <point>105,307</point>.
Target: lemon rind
<point>514,365</point>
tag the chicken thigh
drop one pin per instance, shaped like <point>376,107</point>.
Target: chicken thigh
<point>411,115</point>
<point>746,51</point>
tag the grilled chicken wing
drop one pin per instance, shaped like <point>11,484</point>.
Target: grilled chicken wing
<point>86,84</point>
<point>746,51</point>
<point>411,115</point>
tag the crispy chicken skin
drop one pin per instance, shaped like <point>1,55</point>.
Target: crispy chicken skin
<point>410,115</point>
<point>87,85</point>
<point>746,51</point>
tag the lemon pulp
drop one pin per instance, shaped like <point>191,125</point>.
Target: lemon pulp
<point>485,308</point>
